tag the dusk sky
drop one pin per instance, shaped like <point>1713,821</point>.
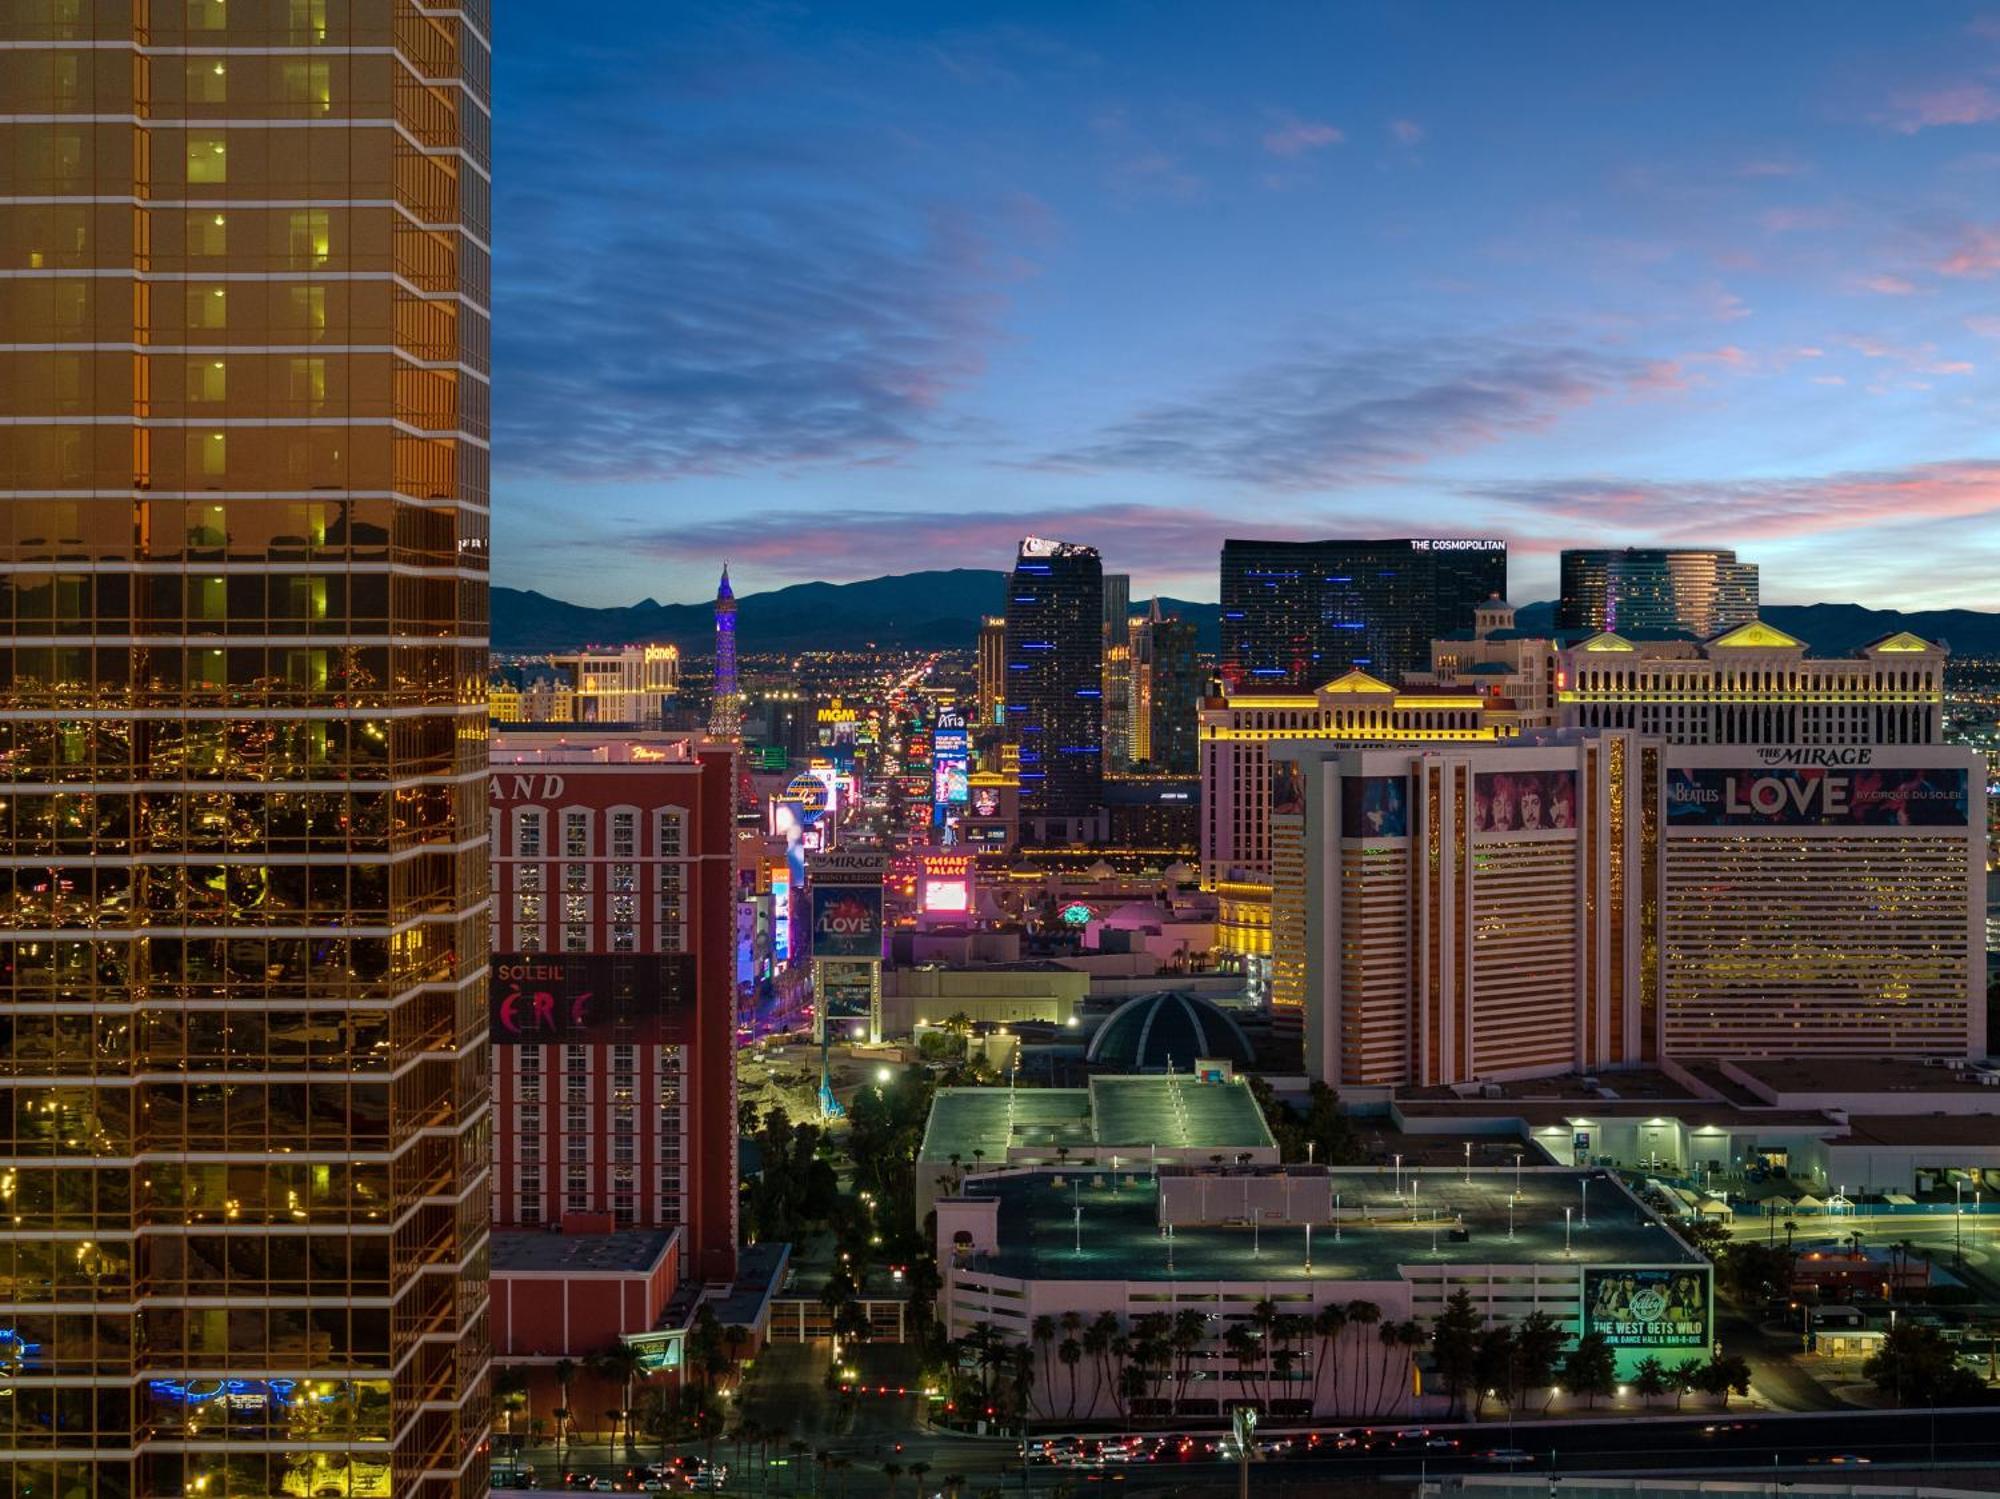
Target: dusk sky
<point>836,291</point>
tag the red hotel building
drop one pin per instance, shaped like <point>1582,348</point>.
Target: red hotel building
<point>613,997</point>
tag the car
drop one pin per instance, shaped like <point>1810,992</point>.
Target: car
<point>710,1478</point>
<point>1440,1444</point>
<point>584,1483</point>
<point>1506,1457</point>
<point>1848,1458</point>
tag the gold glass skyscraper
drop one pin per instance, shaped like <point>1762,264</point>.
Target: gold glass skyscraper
<point>243,540</point>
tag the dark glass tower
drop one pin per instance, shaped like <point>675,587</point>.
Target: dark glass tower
<point>1055,676</point>
<point>1702,590</point>
<point>1176,705</point>
<point>1296,614</point>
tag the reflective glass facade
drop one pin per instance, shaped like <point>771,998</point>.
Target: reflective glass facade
<point>1297,614</point>
<point>1055,677</point>
<point>243,538</point>
<point>1702,590</point>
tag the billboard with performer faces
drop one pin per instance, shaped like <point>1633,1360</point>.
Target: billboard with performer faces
<point>1510,803</point>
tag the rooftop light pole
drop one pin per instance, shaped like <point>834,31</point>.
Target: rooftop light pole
<point>1468,1163</point>
<point>1399,1176</point>
<point>1336,1217</point>
<point>1584,1217</point>
<point>1517,1173</point>
<point>1566,1249</point>
<point>1510,1219</point>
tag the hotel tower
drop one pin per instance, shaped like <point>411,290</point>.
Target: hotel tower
<point>243,538</point>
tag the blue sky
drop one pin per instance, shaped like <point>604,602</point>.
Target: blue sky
<point>833,291</point>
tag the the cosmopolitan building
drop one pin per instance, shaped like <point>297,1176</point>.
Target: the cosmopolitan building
<point>1595,900</point>
<point>1299,613</point>
<point>1702,590</point>
<point>243,521</point>
<point>613,991</point>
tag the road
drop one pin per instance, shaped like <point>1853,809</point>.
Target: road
<point>1717,1442</point>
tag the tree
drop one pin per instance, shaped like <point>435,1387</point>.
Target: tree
<point>565,1370</point>
<point>1043,1331</point>
<point>1069,1353</point>
<point>510,1394</point>
<point>1494,1364</point>
<point>1682,1378</point>
<point>1538,1344</point>
<point>892,1471</point>
<point>1328,1323</point>
<point>1915,1366</point>
<point>1185,1339</point>
<point>619,1363</point>
<point>1590,1369</point>
<point>1097,1339</point>
<point>1455,1346</point>
<point>1721,1375</point>
<point>1649,1379</point>
<point>1362,1315</point>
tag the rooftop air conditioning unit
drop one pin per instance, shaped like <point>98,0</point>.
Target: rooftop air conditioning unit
<point>1492,1090</point>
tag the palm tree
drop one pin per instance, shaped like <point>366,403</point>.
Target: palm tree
<point>917,1472</point>
<point>1043,1331</point>
<point>892,1471</point>
<point>565,1376</point>
<point>1328,1323</point>
<point>1097,1343</point>
<point>1069,1353</point>
<point>1120,1349</point>
<point>1410,1337</point>
<point>1362,1315</point>
<point>619,1364</point>
<point>1264,1317</point>
<point>1241,1345</point>
<point>1189,1325</point>
<point>1387,1336</point>
<point>798,1451</point>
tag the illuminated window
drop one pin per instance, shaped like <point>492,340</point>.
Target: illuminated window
<point>208,234</point>
<point>309,237</point>
<point>207,159</point>
<point>207,80</point>
<point>214,454</point>
<point>308,19</point>
<point>309,309</point>
<point>208,307</point>
<point>208,380</point>
<point>528,841</point>
<point>310,84</point>
<point>207,15</point>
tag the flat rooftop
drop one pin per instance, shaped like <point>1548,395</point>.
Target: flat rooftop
<point>628,1251</point>
<point>1118,1113</point>
<point>1121,1237</point>
<point>1847,1075</point>
<point>1949,1131</point>
<point>1695,1113</point>
<point>1636,1083</point>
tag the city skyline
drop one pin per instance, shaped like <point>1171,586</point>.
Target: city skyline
<point>1145,279</point>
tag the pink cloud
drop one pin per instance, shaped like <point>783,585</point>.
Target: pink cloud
<point>1955,104</point>
<point>1977,253</point>
<point>1985,326</point>
<point>1785,220</point>
<point>1766,508</point>
<point>1886,285</point>
<point>1296,137</point>
<point>1409,132</point>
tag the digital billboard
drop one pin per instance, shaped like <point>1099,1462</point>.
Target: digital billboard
<point>951,760</point>
<point>1505,802</point>
<point>1374,807</point>
<point>846,990</point>
<point>1796,796</point>
<point>537,998</point>
<point>1288,789</point>
<point>1648,1308</point>
<point>949,896</point>
<point>781,915</point>
<point>847,921</point>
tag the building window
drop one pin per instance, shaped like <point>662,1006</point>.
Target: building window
<point>528,835</point>
<point>576,939</point>
<point>576,835</point>
<point>624,835</point>
<point>669,822</point>
<point>624,878</point>
<point>576,877</point>
<point>527,877</point>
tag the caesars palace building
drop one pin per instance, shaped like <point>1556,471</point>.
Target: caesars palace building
<point>1583,900</point>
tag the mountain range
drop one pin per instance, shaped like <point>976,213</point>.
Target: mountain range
<point>942,609</point>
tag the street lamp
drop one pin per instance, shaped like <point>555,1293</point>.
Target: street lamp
<point>1566,1213</point>
<point>1584,1218</point>
<point>1468,1163</point>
